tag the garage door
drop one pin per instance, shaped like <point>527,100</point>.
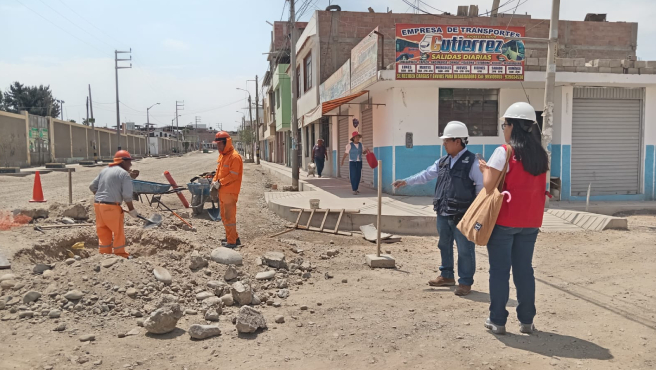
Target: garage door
<point>606,146</point>
<point>343,132</point>
<point>367,131</point>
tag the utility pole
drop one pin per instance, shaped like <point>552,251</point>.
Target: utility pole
<point>294,123</point>
<point>547,114</point>
<point>495,8</point>
<point>61,109</point>
<point>178,105</point>
<point>250,116</point>
<point>93,128</point>
<point>257,124</point>
<point>116,68</point>
<point>197,135</point>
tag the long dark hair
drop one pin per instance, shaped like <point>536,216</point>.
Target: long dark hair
<point>525,141</point>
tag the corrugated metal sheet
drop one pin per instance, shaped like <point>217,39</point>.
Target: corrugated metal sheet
<point>343,132</point>
<point>367,131</point>
<point>606,144</point>
<point>608,93</point>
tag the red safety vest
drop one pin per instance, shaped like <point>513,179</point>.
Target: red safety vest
<point>526,207</point>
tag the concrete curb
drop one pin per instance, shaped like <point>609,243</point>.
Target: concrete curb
<point>591,221</point>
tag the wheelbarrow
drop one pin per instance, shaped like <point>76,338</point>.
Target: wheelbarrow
<point>200,192</point>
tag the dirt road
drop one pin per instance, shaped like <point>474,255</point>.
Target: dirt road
<point>595,296</point>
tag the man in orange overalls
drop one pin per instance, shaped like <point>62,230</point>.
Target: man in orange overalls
<point>111,187</point>
<point>227,181</point>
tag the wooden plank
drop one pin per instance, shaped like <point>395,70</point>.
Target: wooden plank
<point>282,232</point>
<point>298,219</point>
<point>324,220</point>
<point>345,233</point>
<point>339,220</point>
<point>307,226</point>
<point>324,210</point>
<point>4,262</point>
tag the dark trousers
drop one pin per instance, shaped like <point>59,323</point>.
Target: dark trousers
<point>512,247</point>
<point>319,162</point>
<point>355,173</point>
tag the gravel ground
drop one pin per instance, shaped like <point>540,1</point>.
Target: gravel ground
<point>595,295</point>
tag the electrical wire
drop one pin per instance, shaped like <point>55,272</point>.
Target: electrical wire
<point>92,25</point>
<point>513,14</point>
<point>73,23</point>
<point>56,25</point>
<point>284,5</point>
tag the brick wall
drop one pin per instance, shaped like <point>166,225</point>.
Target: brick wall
<point>339,32</point>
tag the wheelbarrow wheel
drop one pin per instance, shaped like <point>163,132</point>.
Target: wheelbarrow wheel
<point>197,204</point>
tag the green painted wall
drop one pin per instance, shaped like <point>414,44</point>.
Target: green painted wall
<point>282,86</point>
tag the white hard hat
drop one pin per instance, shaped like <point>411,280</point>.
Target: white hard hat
<point>455,129</point>
<point>521,110</point>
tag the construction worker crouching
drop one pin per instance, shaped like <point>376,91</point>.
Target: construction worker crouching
<point>227,181</point>
<point>111,187</point>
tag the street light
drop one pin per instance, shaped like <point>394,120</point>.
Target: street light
<point>148,125</point>
<point>250,116</point>
<point>61,108</point>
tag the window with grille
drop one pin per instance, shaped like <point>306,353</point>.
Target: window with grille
<point>298,81</point>
<point>477,108</point>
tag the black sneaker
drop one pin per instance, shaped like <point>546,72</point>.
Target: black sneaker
<point>224,242</point>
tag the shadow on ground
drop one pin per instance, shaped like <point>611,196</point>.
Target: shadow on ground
<point>552,344</point>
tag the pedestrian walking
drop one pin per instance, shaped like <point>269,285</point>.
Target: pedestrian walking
<point>354,151</point>
<point>459,180</point>
<point>513,239</point>
<point>319,156</point>
<point>227,181</point>
<point>111,188</point>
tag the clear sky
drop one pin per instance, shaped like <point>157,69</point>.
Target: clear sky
<point>198,51</point>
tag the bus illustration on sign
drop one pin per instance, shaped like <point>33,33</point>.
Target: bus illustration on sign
<point>512,50</point>
<point>430,43</point>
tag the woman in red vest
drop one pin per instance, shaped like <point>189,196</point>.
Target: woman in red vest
<point>513,238</point>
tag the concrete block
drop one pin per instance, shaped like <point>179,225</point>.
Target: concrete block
<point>628,63</point>
<point>614,63</point>
<point>579,62</point>
<point>647,71</point>
<point>634,71</point>
<point>384,261</point>
<point>532,61</point>
<point>559,62</point>
<point>641,64</point>
<point>601,63</point>
<point>605,70</point>
<point>55,165</point>
<point>9,169</point>
<point>533,68</point>
<point>543,61</point>
<point>651,64</point>
<point>570,69</point>
<point>618,70</point>
<point>568,62</point>
<point>543,68</point>
<point>86,163</point>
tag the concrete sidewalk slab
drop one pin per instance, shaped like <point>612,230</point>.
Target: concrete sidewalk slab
<point>401,215</point>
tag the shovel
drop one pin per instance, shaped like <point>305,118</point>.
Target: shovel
<point>152,222</point>
<point>215,213</point>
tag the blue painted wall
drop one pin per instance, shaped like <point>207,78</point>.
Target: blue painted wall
<point>566,182</point>
<point>410,161</point>
<point>334,163</point>
<point>385,154</point>
<point>650,180</point>
<point>555,160</point>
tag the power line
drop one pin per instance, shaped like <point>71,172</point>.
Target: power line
<point>513,14</point>
<point>284,5</point>
<point>74,24</point>
<point>85,19</point>
<point>56,25</point>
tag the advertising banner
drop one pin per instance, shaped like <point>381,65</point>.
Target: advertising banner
<point>364,62</point>
<point>337,85</point>
<point>441,52</point>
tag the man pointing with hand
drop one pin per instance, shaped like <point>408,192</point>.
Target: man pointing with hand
<point>459,180</point>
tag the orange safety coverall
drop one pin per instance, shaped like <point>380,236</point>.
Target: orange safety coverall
<point>109,227</point>
<point>229,173</point>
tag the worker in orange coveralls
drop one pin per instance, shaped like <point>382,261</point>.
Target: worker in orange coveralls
<point>227,181</point>
<point>111,187</point>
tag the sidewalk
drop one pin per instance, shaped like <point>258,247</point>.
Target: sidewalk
<point>404,215</point>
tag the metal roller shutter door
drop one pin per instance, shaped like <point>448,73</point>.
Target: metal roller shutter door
<point>343,127</point>
<point>606,146</point>
<point>367,131</point>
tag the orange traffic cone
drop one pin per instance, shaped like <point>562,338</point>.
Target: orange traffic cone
<point>37,191</point>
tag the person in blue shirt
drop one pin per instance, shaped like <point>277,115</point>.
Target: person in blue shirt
<point>459,180</point>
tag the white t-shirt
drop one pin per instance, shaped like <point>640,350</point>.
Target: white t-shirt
<point>498,159</point>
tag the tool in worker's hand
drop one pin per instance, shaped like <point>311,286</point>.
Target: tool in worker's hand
<point>215,213</point>
<point>175,214</point>
<point>152,222</point>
